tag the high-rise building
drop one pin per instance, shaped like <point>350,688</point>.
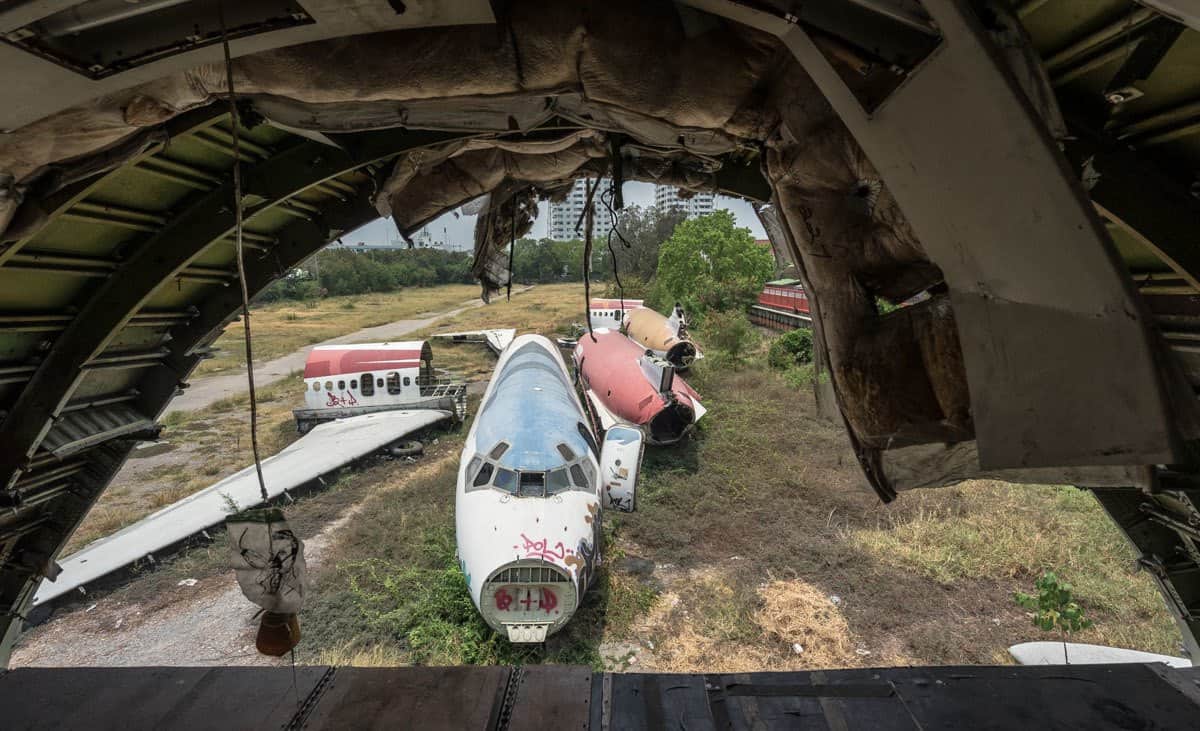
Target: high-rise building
<point>667,196</point>
<point>564,215</point>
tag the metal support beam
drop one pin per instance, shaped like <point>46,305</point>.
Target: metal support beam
<point>1006,243</point>
<point>1157,212</point>
<point>205,220</point>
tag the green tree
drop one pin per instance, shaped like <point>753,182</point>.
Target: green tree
<point>710,264</point>
<point>793,348</point>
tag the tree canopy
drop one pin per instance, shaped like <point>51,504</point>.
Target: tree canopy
<point>708,263</point>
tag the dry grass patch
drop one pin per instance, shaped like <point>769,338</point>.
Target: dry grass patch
<point>284,327</point>
<point>795,613</point>
<point>1014,533</point>
<point>545,309</point>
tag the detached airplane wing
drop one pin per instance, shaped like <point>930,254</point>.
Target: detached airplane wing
<point>497,340</point>
<point>324,449</point>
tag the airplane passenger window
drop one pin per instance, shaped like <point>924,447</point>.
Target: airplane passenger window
<point>368,384</point>
<point>329,385</point>
<point>393,383</point>
<point>316,385</point>
<point>407,381</point>
<point>379,382</point>
<point>484,476</point>
<point>557,481</point>
<point>341,385</point>
<point>353,384</point>
<point>506,480</point>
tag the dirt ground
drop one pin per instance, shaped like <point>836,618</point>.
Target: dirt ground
<point>191,611</point>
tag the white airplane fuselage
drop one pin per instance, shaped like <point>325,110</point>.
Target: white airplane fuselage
<point>527,508</point>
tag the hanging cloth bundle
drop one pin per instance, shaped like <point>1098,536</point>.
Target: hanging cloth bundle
<point>267,556</point>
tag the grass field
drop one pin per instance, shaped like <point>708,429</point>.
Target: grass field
<point>754,539</point>
<point>283,327</point>
<point>742,551</point>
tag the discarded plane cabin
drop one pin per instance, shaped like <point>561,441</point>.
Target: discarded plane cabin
<point>1028,166</point>
<point>782,305</point>
<point>349,380</point>
<point>527,507</point>
<point>611,313</point>
<point>623,383</point>
<point>666,337</point>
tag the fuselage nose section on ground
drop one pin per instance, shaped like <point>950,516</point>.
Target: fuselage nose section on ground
<point>527,505</point>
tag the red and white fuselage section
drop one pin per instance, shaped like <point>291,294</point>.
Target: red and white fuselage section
<point>611,313</point>
<point>625,384</point>
<point>350,380</point>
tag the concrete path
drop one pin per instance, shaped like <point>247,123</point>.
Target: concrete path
<point>210,389</point>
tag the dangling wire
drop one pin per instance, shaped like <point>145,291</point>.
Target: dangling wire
<point>587,253</point>
<point>241,262</point>
<point>512,248</point>
<point>607,198</point>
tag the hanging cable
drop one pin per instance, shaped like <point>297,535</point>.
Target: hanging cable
<point>587,254</point>
<point>512,248</point>
<point>240,251</point>
<point>607,198</point>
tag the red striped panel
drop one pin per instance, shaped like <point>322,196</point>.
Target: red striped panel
<point>322,363</point>
<point>599,304</point>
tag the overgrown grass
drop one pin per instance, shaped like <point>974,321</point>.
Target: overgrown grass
<point>767,489</point>
<point>283,327</point>
<point>545,309</point>
<point>1017,532</point>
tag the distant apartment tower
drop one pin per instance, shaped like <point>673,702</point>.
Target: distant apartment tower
<point>667,196</point>
<point>564,216</point>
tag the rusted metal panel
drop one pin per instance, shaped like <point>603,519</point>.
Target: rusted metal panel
<point>552,697</point>
<point>657,701</point>
<point>563,697</point>
<point>427,698</point>
<point>124,699</point>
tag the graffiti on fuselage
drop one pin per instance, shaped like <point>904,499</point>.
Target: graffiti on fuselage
<point>522,599</point>
<point>347,399</point>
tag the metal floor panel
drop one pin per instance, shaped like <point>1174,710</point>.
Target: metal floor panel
<point>562,697</point>
<point>153,698</point>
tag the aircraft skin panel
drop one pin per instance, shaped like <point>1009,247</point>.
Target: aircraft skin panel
<point>611,372</point>
<point>324,449</point>
<point>497,340</point>
<point>530,405</point>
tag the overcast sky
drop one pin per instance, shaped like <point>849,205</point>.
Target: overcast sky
<point>460,230</point>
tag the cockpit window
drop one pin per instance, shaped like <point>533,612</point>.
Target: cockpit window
<point>557,481</point>
<point>532,484</point>
<point>506,480</point>
<point>484,476</point>
<point>587,437</point>
<point>577,476</point>
<point>498,450</point>
<point>566,452</point>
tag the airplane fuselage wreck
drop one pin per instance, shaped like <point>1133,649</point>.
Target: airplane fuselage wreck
<point>528,499</point>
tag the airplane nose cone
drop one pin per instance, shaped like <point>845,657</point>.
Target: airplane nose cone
<point>527,600</point>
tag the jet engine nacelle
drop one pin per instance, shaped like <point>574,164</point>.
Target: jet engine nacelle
<point>620,460</point>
